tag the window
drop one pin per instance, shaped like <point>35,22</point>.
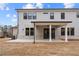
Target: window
<point>29,15</point>
<point>51,15</point>
<point>25,15</point>
<point>72,31</point>
<point>27,31</point>
<point>34,16</point>
<point>62,15</point>
<point>77,15</point>
<point>68,31</point>
<point>45,13</point>
<point>62,31</point>
<point>31,31</point>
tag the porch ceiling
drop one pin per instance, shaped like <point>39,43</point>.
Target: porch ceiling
<point>55,23</point>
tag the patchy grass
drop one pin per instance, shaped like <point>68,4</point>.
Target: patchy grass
<point>39,49</point>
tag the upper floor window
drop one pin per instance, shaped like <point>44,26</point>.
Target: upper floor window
<point>29,15</point>
<point>34,16</point>
<point>77,15</point>
<point>51,15</point>
<point>25,15</point>
<point>45,13</point>
<point>62,15</point>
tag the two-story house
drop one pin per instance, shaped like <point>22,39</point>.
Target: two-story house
<point>48,24</point>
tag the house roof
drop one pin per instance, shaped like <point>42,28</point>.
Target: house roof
<point>52,9</point>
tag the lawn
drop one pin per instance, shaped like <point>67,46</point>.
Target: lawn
<point>70,48</point>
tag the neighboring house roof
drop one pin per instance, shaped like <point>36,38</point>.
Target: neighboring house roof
<point>14,27</point>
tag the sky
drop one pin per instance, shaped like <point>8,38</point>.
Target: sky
<point>8,14</point>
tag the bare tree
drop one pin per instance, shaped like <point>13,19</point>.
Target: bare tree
<point>5,30</point>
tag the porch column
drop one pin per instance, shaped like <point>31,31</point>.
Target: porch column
<point>50,32</point>
<point>34,33</point>
<point>66,39</point>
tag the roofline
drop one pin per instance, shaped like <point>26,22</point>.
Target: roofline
<point>52,9</point>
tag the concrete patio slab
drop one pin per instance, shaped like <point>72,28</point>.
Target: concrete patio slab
<point>21,40</point>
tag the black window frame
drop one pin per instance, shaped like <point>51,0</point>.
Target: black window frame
<point>77,15</point>
<point>62,31</point>
<point>34,15</point>
<point>31,31</point>
<point>45,13</point>
<point>62,15</point>
<point>51,15</point>
<point>72,31</point>
<point>68,31</point>
<point>27,31</point>
<point>29,15</point>
<point>25,16</point>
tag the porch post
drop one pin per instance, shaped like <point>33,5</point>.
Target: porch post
<point>50,32</point>
<point>34,33</point>
<point>66,39</point>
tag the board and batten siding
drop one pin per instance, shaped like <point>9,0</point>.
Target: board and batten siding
<point>69,15</point>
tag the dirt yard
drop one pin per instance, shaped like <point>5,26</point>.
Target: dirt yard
<point>39,49</point>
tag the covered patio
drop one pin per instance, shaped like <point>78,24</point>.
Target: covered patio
<point>49,24</point>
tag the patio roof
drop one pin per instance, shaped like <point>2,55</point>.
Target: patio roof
<point>42,22</point>
<point>47,21</point>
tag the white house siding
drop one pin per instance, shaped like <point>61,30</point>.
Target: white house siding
<point>69,15</point>
<point>23,23</point>
<point>57,16</point>
<point>74,24</point>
